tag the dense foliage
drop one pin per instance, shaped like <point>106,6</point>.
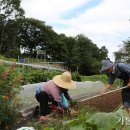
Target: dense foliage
<point>10,12</point>
<point>10,84</point>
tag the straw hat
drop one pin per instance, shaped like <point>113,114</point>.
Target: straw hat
<point>106,64</point>
<point>64,81</point>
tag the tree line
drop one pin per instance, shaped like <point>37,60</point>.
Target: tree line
<point>16,31</point>
<point>123,54</point>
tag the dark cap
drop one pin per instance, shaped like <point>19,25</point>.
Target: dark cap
<point>106,64</point>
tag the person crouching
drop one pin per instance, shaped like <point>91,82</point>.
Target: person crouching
<point>54,90</point>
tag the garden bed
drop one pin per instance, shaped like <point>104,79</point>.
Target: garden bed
<point>107,103</point>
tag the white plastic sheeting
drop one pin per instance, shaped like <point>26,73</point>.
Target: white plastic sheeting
<point>87,88</point>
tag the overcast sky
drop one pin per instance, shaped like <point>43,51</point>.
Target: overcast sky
<point>105,22</point>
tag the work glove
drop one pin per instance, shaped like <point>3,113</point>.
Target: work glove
<point>64,101</point>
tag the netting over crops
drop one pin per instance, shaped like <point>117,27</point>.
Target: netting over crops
<point>87,89</point>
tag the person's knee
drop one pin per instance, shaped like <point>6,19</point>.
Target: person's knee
<point>43,97</point>
<point>43,94</point>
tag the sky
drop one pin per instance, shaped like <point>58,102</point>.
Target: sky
<point>105,22</point>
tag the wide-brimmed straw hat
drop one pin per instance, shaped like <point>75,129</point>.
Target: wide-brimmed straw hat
<point>64,81</point>
<point>106,64</point>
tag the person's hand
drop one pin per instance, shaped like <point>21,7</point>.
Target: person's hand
<point>107,86</point>
<point>101,93</point>
<point>65,107</point>
<point>42,118</point>
<point>62,106</point>
<point>128,85</point>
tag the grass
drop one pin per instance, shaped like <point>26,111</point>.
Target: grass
<point>102,78</point>
<point>9,59</point>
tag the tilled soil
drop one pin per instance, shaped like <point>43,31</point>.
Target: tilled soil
<point>106,103</point>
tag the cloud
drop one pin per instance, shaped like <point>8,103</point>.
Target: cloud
<point>105,23</point>
<point>49,10</point>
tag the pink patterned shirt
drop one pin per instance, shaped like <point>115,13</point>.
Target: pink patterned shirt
<point>52,89</point>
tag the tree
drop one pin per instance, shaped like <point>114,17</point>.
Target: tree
<point>58,47</point>
<point>9,10</point>
<point>85,54</point>
<point>89,55</point>
<point>53,44</point>
<point>10,47</point>
<point>72,55</point>
<point>29,33</point>
<point>33,33</point>
<point>103,53</point>
<point>122,55</point>
<point>127,50</point>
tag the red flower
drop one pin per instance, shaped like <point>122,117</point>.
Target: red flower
<point>4,75</point>
<point>6,97</point>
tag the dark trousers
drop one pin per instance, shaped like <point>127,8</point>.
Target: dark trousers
<point>125,93</point>
<point>43,99</point>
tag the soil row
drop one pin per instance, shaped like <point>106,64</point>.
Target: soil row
<point>106,103</point>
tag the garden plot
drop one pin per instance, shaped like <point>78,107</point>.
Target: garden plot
<point>89,115</point>
<point>27,99</point>
<point>86,109</point>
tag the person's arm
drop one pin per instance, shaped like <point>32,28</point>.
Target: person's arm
<point>111,80</point>
<point>128,85</point>
<point>107,86</point>
<point>67,95</point>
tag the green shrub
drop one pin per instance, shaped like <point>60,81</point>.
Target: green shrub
<point>10,83</point>
<point>102,78</point>
<point>32,75</point>
<point>76,76</point>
